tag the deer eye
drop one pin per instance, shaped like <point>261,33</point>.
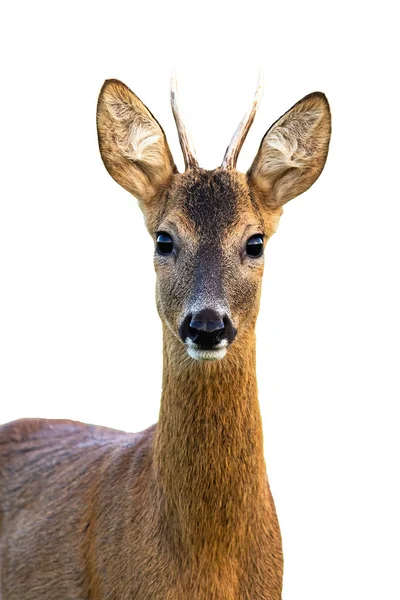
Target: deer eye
<point>164,243</point>
<point>254,246</point>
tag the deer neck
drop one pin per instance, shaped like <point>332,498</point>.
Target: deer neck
<point>208,450</point>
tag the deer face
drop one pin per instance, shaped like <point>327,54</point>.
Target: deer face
<point>209,259</point>
<point>210,228</point>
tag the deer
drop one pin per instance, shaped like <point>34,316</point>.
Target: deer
<point>182,510</point>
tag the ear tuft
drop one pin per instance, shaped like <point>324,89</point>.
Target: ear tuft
<point>132,143</point>
<point>292,153</point>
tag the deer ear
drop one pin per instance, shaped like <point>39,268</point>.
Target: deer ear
<point>132,144</point>
<point>293,152</point>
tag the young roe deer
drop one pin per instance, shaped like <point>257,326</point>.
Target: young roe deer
<point>182,510</point>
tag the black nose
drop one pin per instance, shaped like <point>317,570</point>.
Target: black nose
<point>207,328</point>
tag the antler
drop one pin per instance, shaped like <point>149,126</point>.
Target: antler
<point>232,151</point>
<point>185,141</point>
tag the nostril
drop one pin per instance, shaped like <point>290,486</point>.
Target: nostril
<point>185,330</point>
<point>193,334</point>
<point>230,331</point>
<point>206,336</point>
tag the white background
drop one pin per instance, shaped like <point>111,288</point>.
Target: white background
<point>80,337</point>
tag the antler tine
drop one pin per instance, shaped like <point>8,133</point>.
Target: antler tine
<point>232,151</point>
<point>185,141</point>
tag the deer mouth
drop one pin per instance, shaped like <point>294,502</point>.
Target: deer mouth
<point>198,353</point>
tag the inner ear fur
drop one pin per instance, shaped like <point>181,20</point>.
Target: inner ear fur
<point>293,152</point>
<point>132,143</point>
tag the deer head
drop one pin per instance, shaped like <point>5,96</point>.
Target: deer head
<point>210,228</point>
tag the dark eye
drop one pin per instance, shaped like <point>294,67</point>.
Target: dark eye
<point>254,247</point>
<point>164,243</point>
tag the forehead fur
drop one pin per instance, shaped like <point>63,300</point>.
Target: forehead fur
<point>211,199</point>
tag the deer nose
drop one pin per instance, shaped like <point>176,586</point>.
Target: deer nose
<point>207,329</point>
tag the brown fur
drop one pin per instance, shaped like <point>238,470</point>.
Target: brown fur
<point>182,510</point>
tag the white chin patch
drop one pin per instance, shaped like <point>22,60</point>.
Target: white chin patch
<point>198,354</point>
